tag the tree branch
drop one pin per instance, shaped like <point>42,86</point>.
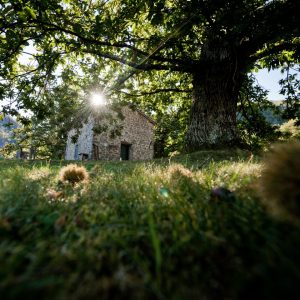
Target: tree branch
<point>289,46</point>
<point>55,27</point>
<point>155,92</point>
<point>138,66</point>
<point>269,23</point>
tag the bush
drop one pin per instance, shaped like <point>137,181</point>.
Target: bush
<point>290,130</point>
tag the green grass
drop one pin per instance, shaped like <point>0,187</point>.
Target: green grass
<point>143,231</point>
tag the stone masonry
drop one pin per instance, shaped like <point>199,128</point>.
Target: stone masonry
<point>134,143</point>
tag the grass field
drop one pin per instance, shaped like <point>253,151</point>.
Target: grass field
<point>143,231</point>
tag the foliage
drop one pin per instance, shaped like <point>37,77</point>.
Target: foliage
<point>256,127</point>
<point>289,130</point>
<point>7,125</point>
<point>280,180</point>
<point>117,237</point>
<point>170,131</point>
<point>290,87</point>
<point>45,136</point>
<point>142,47</point>
<point>7,151</point>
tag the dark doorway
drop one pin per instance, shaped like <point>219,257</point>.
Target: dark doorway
<point>84,156</point>
<point>125,151</point>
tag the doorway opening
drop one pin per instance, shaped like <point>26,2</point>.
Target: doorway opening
<point>125,151</point>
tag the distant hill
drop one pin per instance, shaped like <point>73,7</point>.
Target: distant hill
<point>272,117</point>
<point>6,127</point>
<point>278,102</point>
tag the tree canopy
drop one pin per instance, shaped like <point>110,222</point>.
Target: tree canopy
<point>200,49</point>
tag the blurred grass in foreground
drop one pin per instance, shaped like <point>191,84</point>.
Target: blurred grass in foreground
<point>143,230</point>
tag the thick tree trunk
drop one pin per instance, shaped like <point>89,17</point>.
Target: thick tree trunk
<point>214,106</point>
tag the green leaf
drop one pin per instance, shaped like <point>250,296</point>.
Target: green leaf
<point>30,12</point>
<point>157,18</point>
<point>22,15</point>
<point>77,28</point>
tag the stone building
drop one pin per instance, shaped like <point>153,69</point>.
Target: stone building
<point>135,141</point>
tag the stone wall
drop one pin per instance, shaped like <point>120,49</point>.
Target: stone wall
<point>84,145</point>
<point>137,133</point>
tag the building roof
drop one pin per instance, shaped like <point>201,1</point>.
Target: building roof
<point>132,107</point>
<point>147,117</point>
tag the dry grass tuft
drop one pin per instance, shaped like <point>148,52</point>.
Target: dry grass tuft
<point>233,176</point>
<point>96,170</point>
<point>38,174</point>
<point>239,169</point>
<point>176,171</point>
<point>53,194</point>
<point>73,174</point>
<point>280,181</point>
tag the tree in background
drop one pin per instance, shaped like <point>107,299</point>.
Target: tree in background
<point>44,134</point>
<point>197,46</point>
<point>258,118</point>
<point>170,130</point>
<point>290,88</point>
<point>7,125</point>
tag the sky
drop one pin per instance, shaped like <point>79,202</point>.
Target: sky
<point>269,81</point>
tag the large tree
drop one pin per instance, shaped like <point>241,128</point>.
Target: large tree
<point>207,45</point>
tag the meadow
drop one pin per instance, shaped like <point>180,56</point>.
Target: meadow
<point>144,230</point>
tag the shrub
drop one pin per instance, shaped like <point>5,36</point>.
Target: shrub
<point>280,180</point>
<point>73,174</point>
<point>289,130</point>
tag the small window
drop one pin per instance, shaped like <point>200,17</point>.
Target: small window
<point>125,151</point>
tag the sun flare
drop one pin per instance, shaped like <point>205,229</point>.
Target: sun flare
<point>98,99</point>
